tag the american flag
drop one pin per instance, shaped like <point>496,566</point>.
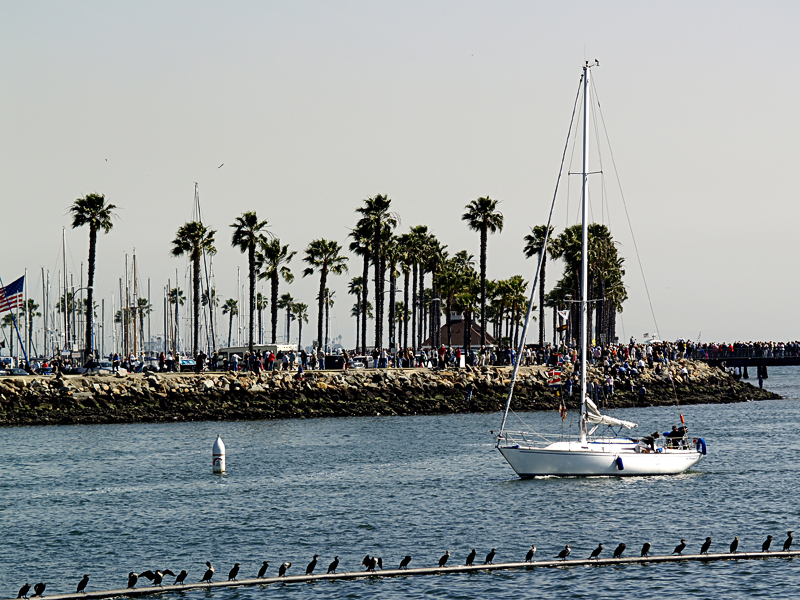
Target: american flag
<point>11,295</point>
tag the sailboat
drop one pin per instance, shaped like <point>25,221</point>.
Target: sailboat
<point>609,453</point>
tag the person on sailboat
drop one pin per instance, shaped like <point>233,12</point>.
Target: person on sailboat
<point>648,443</point>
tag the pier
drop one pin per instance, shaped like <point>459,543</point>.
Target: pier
<point>508,566</point>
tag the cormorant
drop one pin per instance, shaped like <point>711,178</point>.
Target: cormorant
<point>39,588</point>
<point>282,569</point>
<point>596,552</point>
<point>156,576</point>
<point>181,577</point>
<point>312,565</point>
<point>490,557</point>
<point>706,545</point>
<point>619,550</point>
<point>680,547</point>
<point>531,552</point>
<point>23,591</point>
<point>444,559</point>
<point>366,561</point>
<point>233,572</point>
<point>470,558</point>
<point>132,579</point>
<point>332,567</point>
<point>767,543</point>
<point>404,562</point>
<point>646,549</point>
<point>734,544</point>
<point>82,584</point>
<point>263,569</point>
<point>208,574</point>
<point>564,553</point>
<point>788,543</point>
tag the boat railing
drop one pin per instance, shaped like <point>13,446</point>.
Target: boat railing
<point>520,438</point>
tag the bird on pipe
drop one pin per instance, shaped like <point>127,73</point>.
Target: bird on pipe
<point>132,579</point>
<point>181,577</point>
<point>619,550</point>
<point>312,565</point>
<point>531,552</point>
<point>706,545</point>
<point>405,562</point>
<point>445,557</point>
<point>208,574</point>
<point>490,557</point>
<point>334,565</point>
<point>263,569</point>
<point>283,568</point>
<point>565,552</point>
<point>788,543</point>
<point>233,572</point>
<point>39,588</point>
<point>82,584</point>
<point>596,552</point>
<point>735,544</point>
<point>646,549</point>
<point>23,591</point>
<point>680,548</point>
<point>470,558</point>
<point>767,543</point>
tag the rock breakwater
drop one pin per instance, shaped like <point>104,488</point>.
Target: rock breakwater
<point>165,397</point>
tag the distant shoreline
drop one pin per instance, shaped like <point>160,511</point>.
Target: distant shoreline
<point>178,397</point>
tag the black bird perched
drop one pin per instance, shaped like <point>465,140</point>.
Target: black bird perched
<point>263,569</point>
<point>332,567</point>
<point>312,565</point>
<point>734,544</point>
<point>156,576</point>
<point>375,561</point>
<point>619,550</point>
<point>233,572</point>
<point>646,549</point>
<point>181,577</point>
<point>82,584</point>
<point>132,579</point>
<point>680,547</point>
<point>470,558</point>
<point>444,559</point>
<point>490,557</point>
<point>767,543</point>
<point>531,552</point>
<point>39,589</point>
<point>706,545</point>
<point>365,562</point>
<point>23,591</point>
<point>596,552</point>
<point>283,568</point>
<point>788,543</point>
<point>404,562</point>
<point>208,574</point>
<point>564,553</point>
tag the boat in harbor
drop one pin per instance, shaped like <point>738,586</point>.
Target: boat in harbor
<point>607,448</point>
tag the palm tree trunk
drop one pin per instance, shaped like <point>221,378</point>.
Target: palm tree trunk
<point>251,263</point>
<point>358,319</point>
<point>541,303</point>
<point>449,320</point>
<point>196,299</point>
<point>327,316</point>
<point>230,328</point>
<point>274,305</point>
<point>421,305</point>
<point>299,335</point>
<point>323,276</point>
<point>483,284</point>
<point>260,328</point>
<point>414,309</point>
<point>90,288</point>
<point>405,309</point>
<point>364,300</point>
<point>392,289</point>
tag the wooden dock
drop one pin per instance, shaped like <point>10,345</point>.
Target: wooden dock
<point>540,564</point>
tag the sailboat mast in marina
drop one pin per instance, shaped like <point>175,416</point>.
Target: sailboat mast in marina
<point>532,454</point>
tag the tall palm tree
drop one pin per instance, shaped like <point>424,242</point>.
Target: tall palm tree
<point>323,257</point>
<point>380,222</point>
<point>287,302</point>
<point>247,231</point>
<point>300,310</point>
<point>482,216</point>
<point>142,308</point>
<point>361,246</point>
<point>355,288</point>
<point>261,304</point>
<point>194,238</point>
<point>534,246</point>
<point>406,260</point>
<point>273,260</point>
<point>29,309</point>
<point>177,298</point>
<point>93,211</point>
<point>416,244</point>
<point>231,307</point>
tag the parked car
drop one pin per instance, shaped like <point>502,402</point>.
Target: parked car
<point>15,372</point>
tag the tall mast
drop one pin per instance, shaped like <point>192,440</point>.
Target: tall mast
<point>584,245</point>
<point>64,305</point>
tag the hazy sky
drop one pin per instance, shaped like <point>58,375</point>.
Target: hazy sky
<point>314,106</point>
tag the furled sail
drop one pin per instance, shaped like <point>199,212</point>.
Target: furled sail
<point>593,415</point>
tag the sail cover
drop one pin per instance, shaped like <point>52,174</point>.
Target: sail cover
<point>593,415</point>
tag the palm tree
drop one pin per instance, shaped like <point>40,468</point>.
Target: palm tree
<point>361,246</point>
<point>323,256</point>
<point>261,303</point>
<point>534,246</point>
<point>273,259</point>
<point>194,238</point>
<point>355,288</point>
<point>482,216</point>
<point>29,309</point>
<point>93,211</point>
<point>143,308</point>
<point>329,302</point>
<point>210,297</point>
<point>300,310</point>
<point>287,302</point>
<point>8,323</point>
<point>177,298</point>
<point>415,242</point>
<point>231,307</point>
<point>380,222</point>
<point>247,230</point>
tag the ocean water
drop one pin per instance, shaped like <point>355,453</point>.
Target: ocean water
<point>110,499</point>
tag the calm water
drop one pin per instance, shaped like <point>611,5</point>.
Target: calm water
<point>109,499</point>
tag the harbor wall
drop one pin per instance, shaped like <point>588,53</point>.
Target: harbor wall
<point>169,397</point>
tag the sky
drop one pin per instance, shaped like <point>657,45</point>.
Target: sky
<point>300,110</point>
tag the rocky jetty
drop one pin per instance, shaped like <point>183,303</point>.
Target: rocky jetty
<point>165,397</point>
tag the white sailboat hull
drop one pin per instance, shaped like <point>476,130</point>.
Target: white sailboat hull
<point>573,459</point>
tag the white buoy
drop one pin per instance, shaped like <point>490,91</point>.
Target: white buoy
<point>218,455</point>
